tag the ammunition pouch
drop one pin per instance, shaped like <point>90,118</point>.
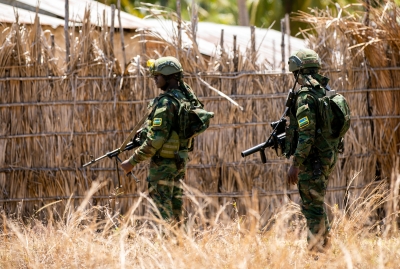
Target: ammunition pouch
<point>316,164</point>
<point>170,146</point>
<point>172,149</point>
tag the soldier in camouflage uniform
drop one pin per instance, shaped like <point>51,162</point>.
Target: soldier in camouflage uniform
<point>160,140</point>
<point>314,152</point>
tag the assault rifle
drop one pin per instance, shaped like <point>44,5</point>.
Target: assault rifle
<point>276,141</point>
<point>114,154</point>
<point>131,142</point>
<point>277,138</point>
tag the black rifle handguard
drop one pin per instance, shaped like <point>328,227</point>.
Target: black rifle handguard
<point>276,140</point>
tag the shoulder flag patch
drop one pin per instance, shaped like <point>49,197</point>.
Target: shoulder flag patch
<point>303,122</point>
<point>157,122</point>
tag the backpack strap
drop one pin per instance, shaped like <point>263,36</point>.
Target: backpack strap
<point>322,103</point>
<point>178,101</point>
<point>322,107</point>
<point>173,97</point>
<point>190,95</point>
<point>181,125</point>
<point>150,110</point>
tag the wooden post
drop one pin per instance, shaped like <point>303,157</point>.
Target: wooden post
<point>38,46</point>
<point>367,11</point>
<point>53,56</point>
<point>104,22</point>
<point>235,55</point>
<point>121,32</point>
<point>53,46</point>
<point>273,53</point>
<point>253,43</point>
<point>394,13</point>
<point>178,12</point>
<point>66,33</point>
<point>143,57</point>
<point>143,45</point>
<point>104,30</point>
<point>235,64</point>
<point>194,21</point>
<point>283,45</point>
<point>222,42</point>
<point>112,28</point>
<point>194,31</point>
<point>138,80</point>
<point>104,33</point>
<point>287,25</point>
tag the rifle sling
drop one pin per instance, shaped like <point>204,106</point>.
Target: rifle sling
<point>136,128</point>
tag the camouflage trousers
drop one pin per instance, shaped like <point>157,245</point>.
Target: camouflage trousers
<point>164,187</point>
<point>312,184</point>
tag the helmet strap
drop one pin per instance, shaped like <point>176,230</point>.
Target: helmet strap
<point>171,82</point>
<point>309,78</point>
<point>321,79</point>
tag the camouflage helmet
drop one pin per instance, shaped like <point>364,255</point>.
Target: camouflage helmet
<point>304,59</point>
<point>165,65</point>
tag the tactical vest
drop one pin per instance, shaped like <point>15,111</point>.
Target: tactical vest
<point>192,120</point>
<point>171,147</point>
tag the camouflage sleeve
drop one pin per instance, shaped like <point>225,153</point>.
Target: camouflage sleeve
<point>159,131</point>
<point>306,120</point>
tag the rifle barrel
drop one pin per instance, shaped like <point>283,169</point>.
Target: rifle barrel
<point>259,147</point>
<point>94,160</point>
<point>114,153</point>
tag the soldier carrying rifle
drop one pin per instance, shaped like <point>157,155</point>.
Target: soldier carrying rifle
<point>176,118</point>
<point>318,120</point>
<point>314,138</point>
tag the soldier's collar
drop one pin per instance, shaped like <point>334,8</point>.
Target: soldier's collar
<point>321,79</point>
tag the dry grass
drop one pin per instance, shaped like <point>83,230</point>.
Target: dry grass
<point>80,239</point>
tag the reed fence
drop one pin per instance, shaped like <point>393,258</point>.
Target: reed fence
<point>54,119</point>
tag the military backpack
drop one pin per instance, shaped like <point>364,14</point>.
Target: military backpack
<point>193,118</point>
<point>334,113</point>
<point>333,121</point>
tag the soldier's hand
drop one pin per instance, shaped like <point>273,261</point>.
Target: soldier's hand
<point>127,166</point>
<point>293,175</point>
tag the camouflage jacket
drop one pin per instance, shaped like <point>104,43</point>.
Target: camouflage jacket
<point>305,130</point>
<point>162,121</point>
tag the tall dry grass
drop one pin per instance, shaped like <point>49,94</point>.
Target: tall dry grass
<point>81,239</point>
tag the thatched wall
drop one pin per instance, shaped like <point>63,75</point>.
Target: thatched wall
<point>53,119</point>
